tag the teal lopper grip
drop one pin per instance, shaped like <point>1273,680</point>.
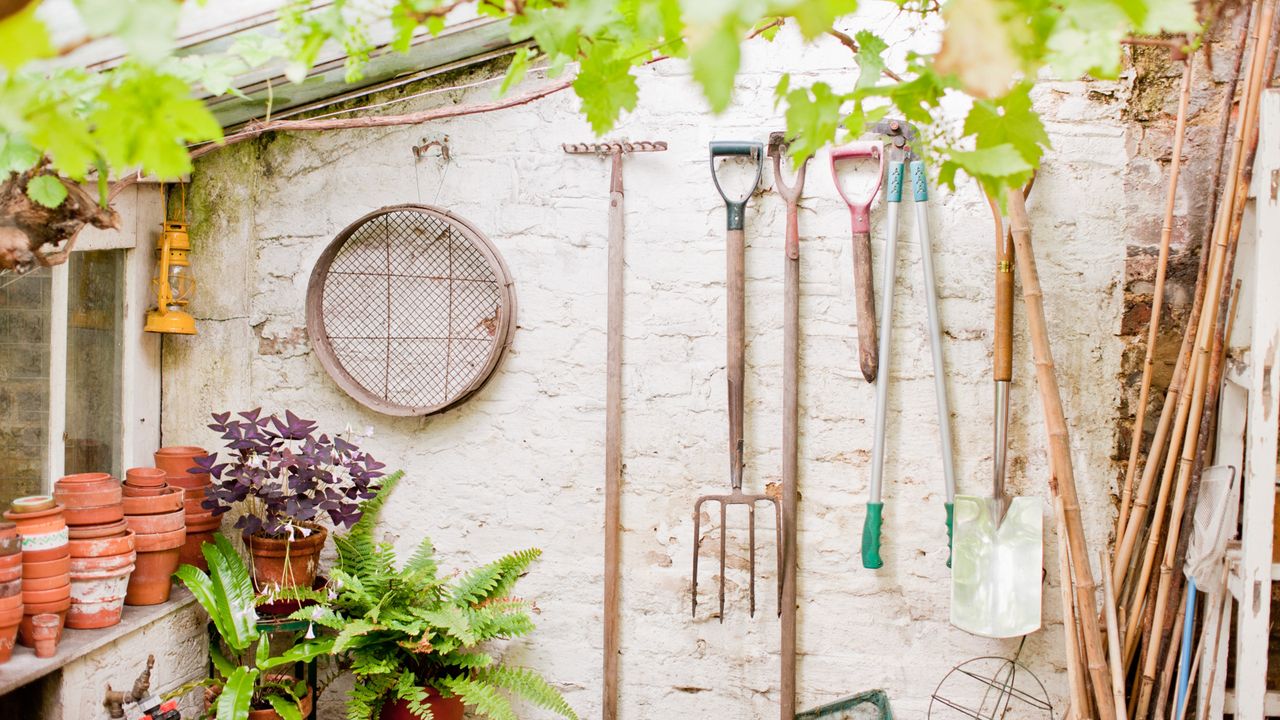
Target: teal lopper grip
<point>894,193</point>
<point>951,515</point>
<point>919,182</point>
<point>871,537</point>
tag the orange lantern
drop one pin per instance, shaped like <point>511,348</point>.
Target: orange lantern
<point>174,284</point>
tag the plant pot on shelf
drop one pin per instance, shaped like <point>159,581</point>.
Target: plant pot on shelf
<point>8,590</point>
<point>280,562</point>
<point>41,548</point>
<point>159,523</point>
<point>97,598</point>
<point>178,461</point>
<point>167,501</point>
<point>200,530</point>
<point>58,608</point>
<point>36,522</point>
<point>153,569</point>
<point>46,629</point>
<point>87,532</point>
<point>32,504</point>
<point>48,595</point>
<point>442,708</point>
<point>44,583</point>
<point>141,477</point>
<point>94,515</point>
<point>10,619</point>
<point>10,540</point>
<point>102,547</point>
<point>87,490</point>
<point>46,568</point>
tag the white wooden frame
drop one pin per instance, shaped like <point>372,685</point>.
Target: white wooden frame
<point>141,212</point>
<point>1252,400</point>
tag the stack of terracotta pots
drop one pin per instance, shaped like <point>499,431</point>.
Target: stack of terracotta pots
<point>10,587</point>
<point>177,462</point>
<point>46,561</point>
<point>154,512</point>
<point>101,548</point>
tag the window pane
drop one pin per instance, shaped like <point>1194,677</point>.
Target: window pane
<point>95,286</point>
<point>24,382</point>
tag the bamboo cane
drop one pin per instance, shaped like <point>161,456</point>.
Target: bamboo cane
<point>1226,232</point>
<point>1062,479</point>
<point>1075,676</point>
<point>1167,678</point>
<point>1157,299</point>
<point>1113,638</point>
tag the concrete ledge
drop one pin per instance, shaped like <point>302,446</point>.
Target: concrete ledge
<point>24,667</point>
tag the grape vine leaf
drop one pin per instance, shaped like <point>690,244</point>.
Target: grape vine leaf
<point>16,154</point>
<point>1011,120</point>
<point>976,48</point>
<point>715,57</point>
<point>23,38</point>
<point>47,190</point>
<point>606,87</point>
<point>870,58</point>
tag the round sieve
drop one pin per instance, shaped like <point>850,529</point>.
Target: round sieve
<point>410,309</point>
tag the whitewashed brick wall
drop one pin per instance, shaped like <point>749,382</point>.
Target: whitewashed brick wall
<point>520,464</point>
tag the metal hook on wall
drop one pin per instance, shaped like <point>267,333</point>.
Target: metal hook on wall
<point>420,150</point>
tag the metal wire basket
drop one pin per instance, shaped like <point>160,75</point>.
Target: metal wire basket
<point>410,309</point>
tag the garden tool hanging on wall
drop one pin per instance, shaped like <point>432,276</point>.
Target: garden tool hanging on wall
<point>613,406</point>
<point>790,417</point>
<point>902,156</point>
<point>996,578</point>
<point>863,287</point>
<point>735,282</point>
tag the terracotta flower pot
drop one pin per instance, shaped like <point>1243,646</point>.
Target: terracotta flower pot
<point>10,540</point>
<point>86,532</point>
<point>161,523</point>
<point>46,546</point>
<point>178,460</point>
<point>97,598</point>
<point>195,507</point>
<point>105,563</point>
<point>441,708</point>
<point>24,627</point>
<point>54,594</point>
<point>46,568</point>
<point>102,547</point>
<point>87,490</point>
<point>9,621</point>
<point>145,476</point>
<point>98,515</point>
<point>10,576</point>
<point>200,529</point>
<point>9,590</point>
<point>152,542</point>
<point>31,585</point>
<point>8,562</point>
<point>194,483</point>
<point>32,503</point>
<point>304,707</point>
<point>135,492</point>
<point>166,502</point>
<point>45,630</point>
<point>286,563</point>
<point>37,522</point>
<point>151,580</point>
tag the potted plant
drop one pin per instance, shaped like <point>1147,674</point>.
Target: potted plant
<point>251,680</point>
<point>287,478</point>
<point>414,638</point>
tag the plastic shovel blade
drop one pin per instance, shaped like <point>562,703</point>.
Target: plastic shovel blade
<point>996,569</point>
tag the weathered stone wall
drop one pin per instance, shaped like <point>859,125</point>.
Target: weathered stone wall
<point>520,463</point>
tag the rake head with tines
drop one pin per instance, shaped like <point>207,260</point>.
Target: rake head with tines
<point>735,284</point>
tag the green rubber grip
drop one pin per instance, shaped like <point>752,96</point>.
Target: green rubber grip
<point>951,516</point>
<point>894,191</point>
<point>871,536</point>
<point>919,182</point>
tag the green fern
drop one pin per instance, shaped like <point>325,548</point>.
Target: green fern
<point>403,628</point>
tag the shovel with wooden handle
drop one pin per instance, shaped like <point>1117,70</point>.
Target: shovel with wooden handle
<point>998,553</point>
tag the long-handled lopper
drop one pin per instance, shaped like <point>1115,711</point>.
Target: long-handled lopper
<point>735,282</point>
<point>790,417</point>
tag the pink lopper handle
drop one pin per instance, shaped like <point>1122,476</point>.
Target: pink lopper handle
<point>861,210</point>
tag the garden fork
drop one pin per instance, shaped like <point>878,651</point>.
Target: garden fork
<point>735,282</point>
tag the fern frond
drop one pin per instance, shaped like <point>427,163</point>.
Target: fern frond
<point>408,688</point>
<point>483,697</point>
<point>528,685</point>
<point>494,579</point>
<point>421,567</point>
<point>467,660</point>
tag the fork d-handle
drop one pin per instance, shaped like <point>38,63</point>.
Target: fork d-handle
<point>736,207</point>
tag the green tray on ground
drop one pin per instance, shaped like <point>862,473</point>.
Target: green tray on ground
<point>843,707</point>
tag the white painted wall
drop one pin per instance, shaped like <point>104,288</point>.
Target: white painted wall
<point>521,463</point>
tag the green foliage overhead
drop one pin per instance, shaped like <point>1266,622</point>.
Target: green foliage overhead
<point>403,628</point>
<point>142,113</point>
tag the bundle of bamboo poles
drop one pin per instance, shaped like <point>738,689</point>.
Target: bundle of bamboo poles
<point>1144,592</point>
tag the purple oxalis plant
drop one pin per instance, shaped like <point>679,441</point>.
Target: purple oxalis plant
<point>285,473</point>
